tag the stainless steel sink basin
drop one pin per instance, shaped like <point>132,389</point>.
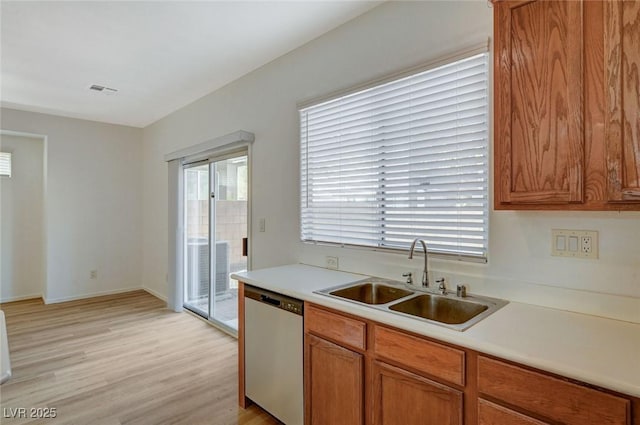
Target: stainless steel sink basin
<point>372,293</point>
<point>458,313</point>
<point>439,308</point>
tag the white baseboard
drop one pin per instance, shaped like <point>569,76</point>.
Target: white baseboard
<point>80,297</point>
<point>91,295</point>
<point>20,298</point>
<point>156,294</point>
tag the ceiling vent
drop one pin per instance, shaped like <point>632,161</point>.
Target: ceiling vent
<point>103,89</point>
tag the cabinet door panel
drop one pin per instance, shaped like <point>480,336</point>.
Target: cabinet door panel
<point>538,113</point>
<point>403,398</point>
<point>334,383</point>
<point>493,414</point>
<point>622,50</point>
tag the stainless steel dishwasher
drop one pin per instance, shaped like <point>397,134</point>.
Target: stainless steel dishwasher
<point>274,353</point>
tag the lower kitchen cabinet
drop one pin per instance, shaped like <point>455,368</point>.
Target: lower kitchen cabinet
<point>334,383</point>
<point>361,372</point>
<point>401,397</point>
<point>549,397</point>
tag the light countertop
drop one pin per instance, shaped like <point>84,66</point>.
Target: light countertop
<point>594,350</point>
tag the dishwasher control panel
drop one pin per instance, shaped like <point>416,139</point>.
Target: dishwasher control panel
<point>276,300</point>
<point>292,307</point>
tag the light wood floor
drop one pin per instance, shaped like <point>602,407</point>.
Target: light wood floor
<point>120,359</point>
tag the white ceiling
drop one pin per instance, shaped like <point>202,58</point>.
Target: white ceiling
<point>160,55</point>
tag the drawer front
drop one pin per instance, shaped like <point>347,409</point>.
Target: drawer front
<point>429,357</point>
<point>550,397</point>
<point>341,329</point>
<point>492,414</point>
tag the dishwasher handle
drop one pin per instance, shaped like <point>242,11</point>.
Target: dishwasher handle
<point>267,299</point>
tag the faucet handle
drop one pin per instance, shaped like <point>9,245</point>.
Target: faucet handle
<point>409,278</point>
<point>441,286</point>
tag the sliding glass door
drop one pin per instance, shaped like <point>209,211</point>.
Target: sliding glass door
<point>215,201</point>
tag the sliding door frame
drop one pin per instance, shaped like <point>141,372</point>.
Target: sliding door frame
<point>211,158</point>
<point>175,160</point>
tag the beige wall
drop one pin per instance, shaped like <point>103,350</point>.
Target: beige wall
<point>93,203</point>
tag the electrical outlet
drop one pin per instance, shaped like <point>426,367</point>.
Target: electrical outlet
<point>331,262</point>
<point>262,225</point>
<point>586,244</point>
<point>574,243</point>
<point>93,274</point>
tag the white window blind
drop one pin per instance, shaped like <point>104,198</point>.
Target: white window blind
<point>5,164</point>
<point>402,160</point>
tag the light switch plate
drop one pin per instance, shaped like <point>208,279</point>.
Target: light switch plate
<point>574,243</point>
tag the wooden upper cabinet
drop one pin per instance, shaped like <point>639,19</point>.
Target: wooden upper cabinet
<point>622,122</point>
<point>538,83</point>
<point>567,104</point>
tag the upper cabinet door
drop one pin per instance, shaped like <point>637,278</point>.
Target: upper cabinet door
<point>538,83</point>
<point>622,122</point>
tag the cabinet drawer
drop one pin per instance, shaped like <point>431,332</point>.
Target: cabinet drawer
<point>429,357</point>
<point>341,329</point>
<point>550,397</point>
<point>493,414</point>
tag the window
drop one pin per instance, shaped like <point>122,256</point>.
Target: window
<point>401,160</point>
<point>5,164</point>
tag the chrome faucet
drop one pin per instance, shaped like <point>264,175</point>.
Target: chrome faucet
<point>425,274</point>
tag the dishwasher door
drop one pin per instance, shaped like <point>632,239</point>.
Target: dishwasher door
<point>274,354</point>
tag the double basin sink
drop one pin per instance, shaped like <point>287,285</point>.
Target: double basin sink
<point>458,313</point>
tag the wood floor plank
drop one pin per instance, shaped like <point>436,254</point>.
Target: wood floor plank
<point>120,359</point>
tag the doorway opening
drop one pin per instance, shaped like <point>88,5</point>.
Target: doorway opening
<point>215,236</point>
<point>23,255</point>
